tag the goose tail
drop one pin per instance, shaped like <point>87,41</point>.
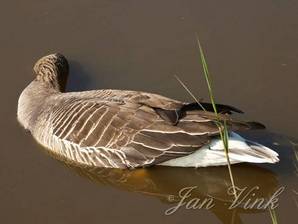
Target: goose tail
<point>254,153</point>
<point>240,151</point>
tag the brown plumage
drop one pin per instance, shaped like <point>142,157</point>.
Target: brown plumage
<point>114,128</point>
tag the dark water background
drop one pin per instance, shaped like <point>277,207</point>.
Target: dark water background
<point>252,53</point>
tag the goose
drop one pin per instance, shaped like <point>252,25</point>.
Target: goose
<point>129,129</point>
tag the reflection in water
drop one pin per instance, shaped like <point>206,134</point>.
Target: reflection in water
<point>165,182</point>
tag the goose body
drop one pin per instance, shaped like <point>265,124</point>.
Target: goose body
<point>127,129</point>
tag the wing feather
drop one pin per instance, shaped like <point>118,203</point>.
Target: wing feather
<point>122,134</point>
<point>125,129</point>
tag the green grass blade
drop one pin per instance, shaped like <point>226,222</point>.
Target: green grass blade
<point>207,76</point>
<point>189,92</point>
<point>273,216</point>
<point>222,126</point>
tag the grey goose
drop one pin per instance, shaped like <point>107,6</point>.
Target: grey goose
<point>128,129</point>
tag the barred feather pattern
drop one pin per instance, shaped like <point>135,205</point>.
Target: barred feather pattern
<point>119,129</point>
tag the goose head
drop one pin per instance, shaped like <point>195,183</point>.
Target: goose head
<point>51,74</point>
<point>52,70</point>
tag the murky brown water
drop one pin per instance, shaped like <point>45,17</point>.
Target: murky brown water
<point>253,56</point>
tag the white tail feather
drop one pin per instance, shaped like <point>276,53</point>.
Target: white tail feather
<point>213,154</point>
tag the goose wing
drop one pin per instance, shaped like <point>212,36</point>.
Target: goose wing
<point>125,133</point>
<point>132,130</point>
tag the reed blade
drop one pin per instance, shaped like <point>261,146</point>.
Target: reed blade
<point>221,125</point>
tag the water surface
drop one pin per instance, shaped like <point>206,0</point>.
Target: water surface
<point>253,57</point>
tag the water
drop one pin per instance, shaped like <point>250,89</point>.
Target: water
<point>141,45</point>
